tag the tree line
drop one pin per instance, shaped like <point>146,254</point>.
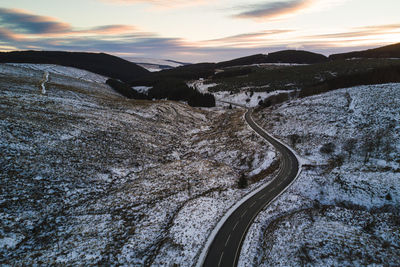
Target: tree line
<point>171,89</point>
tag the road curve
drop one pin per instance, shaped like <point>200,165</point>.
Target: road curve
<point>225,248</point>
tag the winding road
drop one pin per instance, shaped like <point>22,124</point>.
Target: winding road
<point>226,245</point>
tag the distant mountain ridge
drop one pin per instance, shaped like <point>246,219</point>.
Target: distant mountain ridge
<point>136,75</point>
<point>296,57</point>
<point>154,65</point>
<point>100,63</point>
<point>178,62</point>
<point>203,70</point>
<point>284,56</point>
<point>389,51</point>
<point>155,61</point>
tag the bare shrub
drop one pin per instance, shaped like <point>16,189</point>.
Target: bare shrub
<point>328,148</point>
<point>335,161</point>
<point>349,146</point>
<point>294,139</point>
<point>242,181</point>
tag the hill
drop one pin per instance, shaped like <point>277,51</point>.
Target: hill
<point>100,63</point>
<point>154,65</point>
<point>285,56</point>
<point>182,73</point>
<point>296,56</point>
<point>343,208</point>
<point>205,70</point>
<point>249,60</point>
<point>90,178</point>
<point>389,51</point>
<point>119,69</point>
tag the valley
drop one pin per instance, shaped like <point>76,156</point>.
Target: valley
<point>90,177</point>
<point>125,170</point>
<point>206,133</point>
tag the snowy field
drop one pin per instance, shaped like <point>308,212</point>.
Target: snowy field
<point>344,208</point>
<point>154,61</point>
<point>90,178</point>
<point>245,97</point>
<point>154,65</point>
<point>64,71</point>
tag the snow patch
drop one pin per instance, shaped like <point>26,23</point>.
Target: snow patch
<point>142,89</point>
<point>10,240</point>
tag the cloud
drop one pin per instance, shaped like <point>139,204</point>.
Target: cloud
<point>359,32</point>
<point>154,46</point>
<point>24,30</point>
<point>144,43</point>
<point>137,44</point>
<point>29,31</point>
<point>341,35</point>
<point>23,22</point>
<point>246,39</point>
<point>249,36</point>
<point>271,10</point>
<point>109,29</point>
<point>160,3</point>
<point>8,36</point>
<point>385,27</point>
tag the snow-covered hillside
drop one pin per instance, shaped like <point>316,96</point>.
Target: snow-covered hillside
<point>344,209</point>
<point>244,97</point>
<point>152,64</point>
<point>64,71</point>
<point>90,178</point>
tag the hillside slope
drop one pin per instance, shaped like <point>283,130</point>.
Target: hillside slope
<point>103,64</point>
<point>206,70</point>
<point>285,56</point>
<point>253,84</point>
<point>296,56</point>
<point>389,51</point>
<point>90,178</point>
<point>344,208</point>
<point>155,65</point>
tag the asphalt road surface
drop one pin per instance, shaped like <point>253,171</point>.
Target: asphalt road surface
<point>225,248</point>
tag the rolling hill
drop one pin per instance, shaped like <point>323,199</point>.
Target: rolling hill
<point>90,178</point>
<point>100,63</point>
<point>389,51</point>
<point>285,56</point>
<point>296,56</point>
<point>205,70</point>
<point>154,65</point>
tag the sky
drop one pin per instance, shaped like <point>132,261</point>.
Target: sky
<point>198,30</point>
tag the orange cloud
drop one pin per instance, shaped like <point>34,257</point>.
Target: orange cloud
<point>109,29</point>
<point>15,21</point>
<point>360,32</point>
<point>23,22</point>
<point>386,27</point>
<point>7,35</point>
<point>160,3</point>
<point>246,39</point>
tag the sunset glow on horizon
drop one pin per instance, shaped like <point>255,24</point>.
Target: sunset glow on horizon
<point>198,30</point>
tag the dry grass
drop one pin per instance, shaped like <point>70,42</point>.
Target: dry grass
<point>88,177</point>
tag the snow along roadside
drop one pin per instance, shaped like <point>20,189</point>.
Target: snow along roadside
<point>214,232</point>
